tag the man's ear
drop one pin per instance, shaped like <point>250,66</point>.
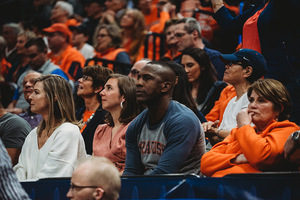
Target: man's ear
<point>98,193</point>
<point>195,34</point>
<point>166,86</point>
<point>248,71</point>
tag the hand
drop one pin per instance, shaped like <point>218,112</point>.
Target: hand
<point>207,125</point>
<point>211,132</point>
<point>108,16</point>
<point>168,7</point>
<point>240,159</point>
<point>244,118</point>
<point>290,147</point>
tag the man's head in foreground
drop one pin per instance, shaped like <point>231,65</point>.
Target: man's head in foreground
<point>94,179</point>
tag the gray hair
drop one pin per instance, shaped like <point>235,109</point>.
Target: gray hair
<point>190,24</point>
<point>16,28</point>
<point>66,7</point>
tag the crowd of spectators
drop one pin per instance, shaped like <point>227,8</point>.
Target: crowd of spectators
<point>152,87</point>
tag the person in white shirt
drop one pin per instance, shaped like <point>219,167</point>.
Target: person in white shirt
<point>54,147</point>
<point>243,68</point>
<point>79,40</point>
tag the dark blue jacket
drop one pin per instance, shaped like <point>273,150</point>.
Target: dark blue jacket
<point>279,33</point>
<point>89,131</point>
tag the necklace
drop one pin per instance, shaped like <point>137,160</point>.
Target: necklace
<point>89,119</point>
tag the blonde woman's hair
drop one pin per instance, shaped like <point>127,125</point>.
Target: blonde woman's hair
<point>61,104</point>
<point>138,34</point>
<point>28,34</point>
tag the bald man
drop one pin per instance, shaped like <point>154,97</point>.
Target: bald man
<point>167,137</point>
<point>136,68</point>
<point>96,178</point>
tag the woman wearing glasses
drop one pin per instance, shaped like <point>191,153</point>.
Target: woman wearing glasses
<point>119,98</point>
<point>56,145</point>
<point>91,114</point>
<point>107,43</point>
<point>242,69</point>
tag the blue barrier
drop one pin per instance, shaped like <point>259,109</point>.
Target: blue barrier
<point>240,186</point>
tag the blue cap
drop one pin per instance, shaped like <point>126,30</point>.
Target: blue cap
<point>249,56</point>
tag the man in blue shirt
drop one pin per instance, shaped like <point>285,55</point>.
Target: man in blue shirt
<point>167,137</point>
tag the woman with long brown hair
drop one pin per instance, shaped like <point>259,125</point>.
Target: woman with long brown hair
<point>54,147</point>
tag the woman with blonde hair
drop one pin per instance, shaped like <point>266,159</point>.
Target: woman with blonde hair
<point>133,32</point>
<point>53,148</point>
<point>119,99</point>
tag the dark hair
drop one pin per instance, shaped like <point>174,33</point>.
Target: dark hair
<point>275,92</point>
<point>169,23</point>
<point>38,41</point>
<point>99,75</point>
<point>182,92</point>
<point>208,75</point>
<point>127,87</point>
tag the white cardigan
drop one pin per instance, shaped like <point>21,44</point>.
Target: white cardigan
<point>57,157</point>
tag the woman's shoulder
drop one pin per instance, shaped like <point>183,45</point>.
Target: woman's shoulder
<point>68,129</point>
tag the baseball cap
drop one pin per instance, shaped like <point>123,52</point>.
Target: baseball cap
<point>58,27</point>
<point>249,56</point>
<point>81,28</point>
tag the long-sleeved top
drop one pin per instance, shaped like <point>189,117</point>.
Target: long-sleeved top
<point>88,132</point>
<point>10,188</point>
<point>56,158</point>
<point>263,150</point>
<point>277,30</point>
<point>175,145</point>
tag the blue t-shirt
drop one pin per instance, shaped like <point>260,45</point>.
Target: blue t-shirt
<point>175,145</point>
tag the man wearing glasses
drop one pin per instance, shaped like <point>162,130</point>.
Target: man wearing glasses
<point>36,52</point>
<point>136,68</point>
<point>188,35</point>
<point>94,179</point>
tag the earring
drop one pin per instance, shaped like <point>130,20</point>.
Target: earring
<point>121,104</point>
<point>96,92</point>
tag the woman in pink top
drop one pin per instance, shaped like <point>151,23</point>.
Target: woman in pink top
<point>119,98</point>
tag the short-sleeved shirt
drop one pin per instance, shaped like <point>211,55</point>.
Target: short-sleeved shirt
<point>13,130</point>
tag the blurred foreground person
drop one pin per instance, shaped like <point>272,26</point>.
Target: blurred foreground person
<point>96,178</point>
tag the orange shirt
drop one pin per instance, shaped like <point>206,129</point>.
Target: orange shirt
<point>87,116</point>
<point>5,66</point>
<point>263,150</point>
<point>168,55</point>
<point>110,54</point>
<point>70,61</point>
<point>216,113</point>
<point>157,28</point>
<point>250,32</point>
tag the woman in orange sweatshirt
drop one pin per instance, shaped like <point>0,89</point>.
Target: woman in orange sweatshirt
<point>260,148</point>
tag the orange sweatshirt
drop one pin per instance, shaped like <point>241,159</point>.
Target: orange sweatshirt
<point>263,150</point>
<point>216,113</point>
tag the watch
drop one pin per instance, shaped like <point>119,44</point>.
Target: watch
<point>295,136</point>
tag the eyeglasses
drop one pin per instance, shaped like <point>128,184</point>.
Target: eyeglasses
<point>85,78</point>
<point>234,63</point>
<point>77,188</point>
<point>179,35</point>
<point>33,55</point>
<point>134,71</point>
<point>102,35</point>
